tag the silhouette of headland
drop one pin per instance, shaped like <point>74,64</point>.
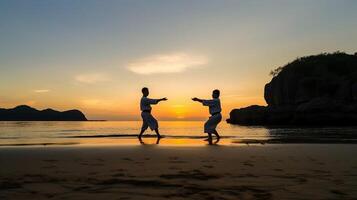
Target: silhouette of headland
<point>27,113</point>
<point>313,90</point>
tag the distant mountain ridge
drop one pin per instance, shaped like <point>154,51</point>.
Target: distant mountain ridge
<point>27,113</point>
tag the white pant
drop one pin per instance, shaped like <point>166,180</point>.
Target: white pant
<point>149,121</point>
<point>212,122</point>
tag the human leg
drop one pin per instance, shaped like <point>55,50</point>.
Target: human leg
<point>143,129</point>
<point>157,133</point>
<point>216,133</point>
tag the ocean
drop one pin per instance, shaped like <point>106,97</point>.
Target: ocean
<point>26,133</point>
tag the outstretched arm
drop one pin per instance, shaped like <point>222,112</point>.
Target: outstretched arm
<point>197,99</point>
<point>155,101</point>
<point>162,99</point>
<point>204,101</point>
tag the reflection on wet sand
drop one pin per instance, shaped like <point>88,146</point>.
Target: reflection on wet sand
<point>143,143</point>
<point>176,142</point>
<point>151,140</point>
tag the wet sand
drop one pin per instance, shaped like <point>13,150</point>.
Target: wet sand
<point>271,171</point>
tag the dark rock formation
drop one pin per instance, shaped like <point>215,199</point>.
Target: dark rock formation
<point>26,113</point>
<point>313,90</point>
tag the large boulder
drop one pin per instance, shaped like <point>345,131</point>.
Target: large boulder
<point>313,90</point>
<point>251,115</point>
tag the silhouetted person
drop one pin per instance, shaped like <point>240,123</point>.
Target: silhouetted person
<point>215,111</point>
<point>148,119</point>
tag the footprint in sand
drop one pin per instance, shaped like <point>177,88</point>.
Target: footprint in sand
<point>338,192</point>
<point>49,167</point>
<point>178,162</point>
<point>127,159</point>
<point>338,181</point>
<point>321,171</point>
<point>61,172</point>
<point>49,160</point>
<point>80,188</point>
<point>175,159</point>
<point>119,175</point>
<point>193,174</point>
<point>118,170</point>
<point>248,163</point>
<point>301,180</point>
<point>96,164</point>
<point>175,168</point>
<point>9,185</point>
<point>85,164</point>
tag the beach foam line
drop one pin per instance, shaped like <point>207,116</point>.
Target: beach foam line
<point>10,137</point>
<point>40,144</point>
<point>101,136</point>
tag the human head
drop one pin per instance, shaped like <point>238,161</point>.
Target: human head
<point>145,91</point>
<point>215,94</point>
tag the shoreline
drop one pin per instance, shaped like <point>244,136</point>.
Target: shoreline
<point>174,141</point>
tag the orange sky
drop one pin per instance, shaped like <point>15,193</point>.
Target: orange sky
<point>97,55</point>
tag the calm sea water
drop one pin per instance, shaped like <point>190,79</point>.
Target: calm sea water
<point>178,132</point>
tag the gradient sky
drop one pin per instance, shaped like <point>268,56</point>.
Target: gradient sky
<point>96,55</point>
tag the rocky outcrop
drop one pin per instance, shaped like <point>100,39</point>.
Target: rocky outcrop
<point>313,90</point>
<point>252,115</point>
<point>26,113</point>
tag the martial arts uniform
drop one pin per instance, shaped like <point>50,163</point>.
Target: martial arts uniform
<point>215,111</point>
<point>148,119</point>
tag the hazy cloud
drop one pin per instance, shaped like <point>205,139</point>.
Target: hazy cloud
<point>92,102</point>
<point>98,104</point>
<point>166,63</point>
<point>42,90</point>
<point>92,78</point>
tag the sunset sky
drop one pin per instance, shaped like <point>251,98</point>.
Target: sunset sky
<point>97,55</point>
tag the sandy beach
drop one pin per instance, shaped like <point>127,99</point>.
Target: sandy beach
<point>272,171</point>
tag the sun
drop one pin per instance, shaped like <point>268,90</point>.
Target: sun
<point>179,111</point>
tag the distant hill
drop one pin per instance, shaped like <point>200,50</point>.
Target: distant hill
<point>313,90</point>
<point>27,113</point>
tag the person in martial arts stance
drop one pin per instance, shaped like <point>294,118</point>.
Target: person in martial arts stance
<point>148,119</point>
<point>215,111</point>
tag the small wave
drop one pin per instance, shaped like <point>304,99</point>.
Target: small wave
<point>10,137</point>
<point>41,144</point>
<point>101,136</point>
<point>72,130</point>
